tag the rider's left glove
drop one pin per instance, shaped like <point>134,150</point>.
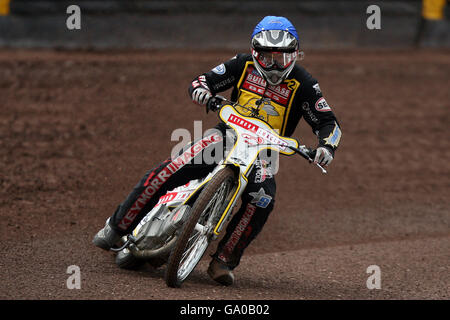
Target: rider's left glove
<point>201,96</point>
<point>323,156</point>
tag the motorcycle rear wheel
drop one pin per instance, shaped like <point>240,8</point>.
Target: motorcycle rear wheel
<point>196,233</point>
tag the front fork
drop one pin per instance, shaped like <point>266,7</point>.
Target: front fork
<point>226,215</point>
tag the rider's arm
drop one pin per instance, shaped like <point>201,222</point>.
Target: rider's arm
<point>314,108</point>
<point>221,78</point>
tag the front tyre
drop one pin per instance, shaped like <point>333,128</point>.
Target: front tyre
<point>196,233</point>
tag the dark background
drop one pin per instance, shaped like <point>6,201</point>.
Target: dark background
<point>206,24</point>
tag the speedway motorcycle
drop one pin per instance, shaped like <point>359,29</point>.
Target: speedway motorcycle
<point>179,229</point>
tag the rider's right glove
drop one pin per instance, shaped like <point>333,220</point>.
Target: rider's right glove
<point>201,96</point>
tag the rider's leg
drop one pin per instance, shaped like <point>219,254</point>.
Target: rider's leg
<point>169,174</point>
<point>257,202</point>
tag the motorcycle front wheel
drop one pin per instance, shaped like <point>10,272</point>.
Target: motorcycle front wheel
<point>196,233</point>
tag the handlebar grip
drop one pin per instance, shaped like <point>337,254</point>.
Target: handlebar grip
<point>312,153</point>
<point>302,151</point>
<point>214,103</point>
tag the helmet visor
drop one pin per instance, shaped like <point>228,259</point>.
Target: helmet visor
<point>272,59</point>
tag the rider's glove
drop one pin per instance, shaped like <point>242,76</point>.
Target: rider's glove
<point>201,96</point>
<point>323,156</point>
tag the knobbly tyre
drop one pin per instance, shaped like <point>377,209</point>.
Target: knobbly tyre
<point>179,229</point>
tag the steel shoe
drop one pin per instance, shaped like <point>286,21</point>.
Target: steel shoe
<point>106,238</point>
<point>220,273</point>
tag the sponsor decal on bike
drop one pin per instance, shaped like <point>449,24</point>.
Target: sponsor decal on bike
<point>172,196</point>
<point>237,233</point>
<point>322,105</point>
<point>154,182</point>
<point>191,152</point>
<point>251,139</point>
<point>220,69</point>
<point>273,139</point>
<point>263,171</point>
<point>267,135</point>
<point>243,123</point>
<point>260,198</point>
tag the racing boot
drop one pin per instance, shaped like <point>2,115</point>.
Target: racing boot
<point>220,273</point>
<point>106,238</point>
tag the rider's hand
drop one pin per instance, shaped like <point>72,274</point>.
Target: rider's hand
<point>323,156</point>
<point>201,96</point>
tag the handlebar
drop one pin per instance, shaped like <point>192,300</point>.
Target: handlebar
<point>308,154</point>
<point>215,103</point>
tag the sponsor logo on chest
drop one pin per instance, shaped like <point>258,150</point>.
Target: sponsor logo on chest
<point>255,83</point>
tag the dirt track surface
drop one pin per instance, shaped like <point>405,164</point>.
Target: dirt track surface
<point>77,131</point>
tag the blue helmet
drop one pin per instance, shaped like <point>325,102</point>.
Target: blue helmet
<point>275,47</point>
<point>275,23</point>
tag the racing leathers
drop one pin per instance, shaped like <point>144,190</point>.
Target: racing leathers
<point>282,106</point>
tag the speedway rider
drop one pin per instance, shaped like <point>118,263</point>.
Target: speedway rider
<point>284,92</point>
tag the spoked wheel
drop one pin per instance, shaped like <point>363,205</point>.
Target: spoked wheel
<point>198,229</point>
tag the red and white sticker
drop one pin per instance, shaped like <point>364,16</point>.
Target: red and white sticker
<point>255,83</point>
<point>172,196</point>
<point>322,105</point>
<point>153,183</point>
<point>251,139</point>
<point>260,132</point>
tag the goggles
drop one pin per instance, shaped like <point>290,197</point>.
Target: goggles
<point>271,59</point>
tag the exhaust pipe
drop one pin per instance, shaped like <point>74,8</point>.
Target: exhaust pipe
<point>152,253</point>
